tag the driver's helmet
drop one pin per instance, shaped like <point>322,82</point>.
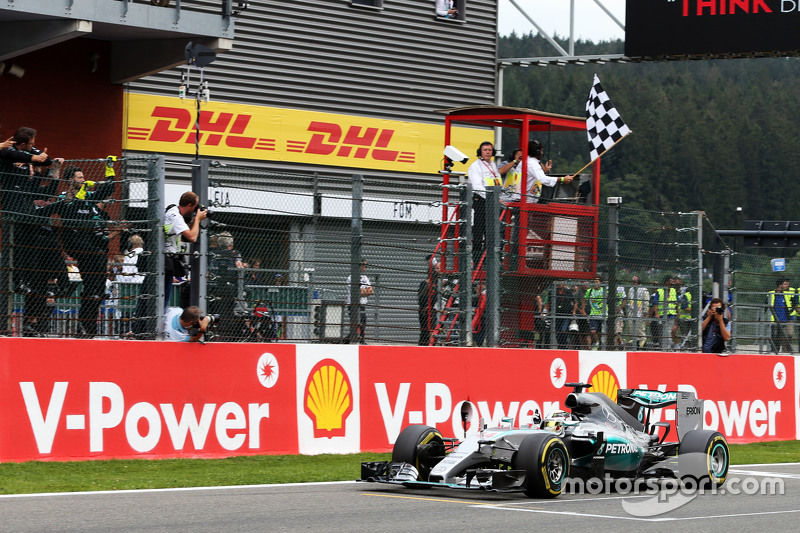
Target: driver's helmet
<point>556,421</point>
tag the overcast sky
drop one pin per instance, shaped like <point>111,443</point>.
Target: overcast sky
<point>591,22</point>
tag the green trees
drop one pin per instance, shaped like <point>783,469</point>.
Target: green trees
<point>707,135</point>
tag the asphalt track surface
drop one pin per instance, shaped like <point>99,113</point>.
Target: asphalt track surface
<point>355,507</point>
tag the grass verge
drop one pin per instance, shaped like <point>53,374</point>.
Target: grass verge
<point>37,477</point>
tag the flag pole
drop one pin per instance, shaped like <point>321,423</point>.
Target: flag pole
<point>587,165</point>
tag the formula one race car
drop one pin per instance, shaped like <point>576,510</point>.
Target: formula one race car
<point>599,438</point>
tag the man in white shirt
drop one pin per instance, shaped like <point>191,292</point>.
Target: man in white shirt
<point>638,309</point>
<point>130,267</point>
<point>483,173</point>
<point>175,229</point>
<point>185,325</point>
<point>537,172</point>
<point>366,291</point>
<point>446,9</point>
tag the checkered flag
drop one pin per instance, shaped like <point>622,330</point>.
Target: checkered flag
<point>604,126</point>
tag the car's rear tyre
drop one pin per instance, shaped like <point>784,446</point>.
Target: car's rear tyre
<point>420,446</point>
<point>704,458</point>
<point>546,462</point>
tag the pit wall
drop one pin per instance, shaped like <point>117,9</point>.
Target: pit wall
<point>82,399</point>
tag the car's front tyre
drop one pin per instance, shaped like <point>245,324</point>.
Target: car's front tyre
<point>420,446</point>
<point>546,462</point>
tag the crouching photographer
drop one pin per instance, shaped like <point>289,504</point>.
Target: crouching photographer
<point>187,325</point>
<point>716,326</point>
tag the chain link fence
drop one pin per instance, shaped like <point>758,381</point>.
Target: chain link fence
<point>67,264</point>
<point>82,256</point>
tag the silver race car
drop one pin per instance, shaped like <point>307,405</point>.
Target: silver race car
<point>597,439</point>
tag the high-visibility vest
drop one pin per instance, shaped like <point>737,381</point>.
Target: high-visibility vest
<point>685,308</point>
<point>671,307</point>
<point>796,293</point>
<point>788,301</point>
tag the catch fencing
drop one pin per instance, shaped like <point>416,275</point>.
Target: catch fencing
<point>279,249</point>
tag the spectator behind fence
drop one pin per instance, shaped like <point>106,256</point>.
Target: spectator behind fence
<point>426,299</point>
<point>130,261</point>
<point>41,262</point>
<point>716,328</point>
<point>581,319</point>
<point>131,282</point>
<point>185,325</point>
<point>664,307</point>
<point>360,320</point>
<point>17,196</point>
<point>638,307</point>
<point>780,304</point>
<point>176,228</point>
<point>84,233</point>
<point>595,297</point>
<point>563,308</point>
<point>684,328</point>
<point>223,268</point>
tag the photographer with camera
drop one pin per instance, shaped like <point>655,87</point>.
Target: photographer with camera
<point>181,221</point>
<point>187,325</point>
<point>716,326</point>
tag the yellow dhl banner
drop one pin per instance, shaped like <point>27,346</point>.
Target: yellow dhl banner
<point>167,125</point>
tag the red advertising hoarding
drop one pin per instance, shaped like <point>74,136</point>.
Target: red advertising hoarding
<point>81,399</point>
<point>420,385</point>
<point>84,399</point>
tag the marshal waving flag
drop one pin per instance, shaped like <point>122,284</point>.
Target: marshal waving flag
<point>604,126</point>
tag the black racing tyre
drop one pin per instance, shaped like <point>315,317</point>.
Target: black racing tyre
<point>546,462</point>
<point>704,458</point>
<point>420,446</point>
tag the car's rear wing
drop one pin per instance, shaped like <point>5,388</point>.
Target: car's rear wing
<point>639,403</point>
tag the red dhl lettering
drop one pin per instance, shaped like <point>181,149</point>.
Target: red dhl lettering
<point>176,124</point>
<point>358,142</point>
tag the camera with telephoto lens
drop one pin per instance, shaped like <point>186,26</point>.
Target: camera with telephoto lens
<point>212,319</point>
<point>718,310</point>
<point>209,211</point>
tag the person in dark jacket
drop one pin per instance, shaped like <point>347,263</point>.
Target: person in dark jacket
<point>715,328</point>
<point>427,295</point>
<point>84,234</point>
<point>28,181</point>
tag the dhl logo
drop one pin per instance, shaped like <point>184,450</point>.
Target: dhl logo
<point>362,142</point>
<point>175,124</point>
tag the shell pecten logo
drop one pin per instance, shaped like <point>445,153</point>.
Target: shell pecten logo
<point>604,380</point>
<point>328,398</point>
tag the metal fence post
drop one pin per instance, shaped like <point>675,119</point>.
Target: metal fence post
<point>155,189</point>
<point>465,268</point>
<point>614,203</point>
<point>199,249</point>
<point>700,303</point>
<point>356,235</point>
<point>492,267</point>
